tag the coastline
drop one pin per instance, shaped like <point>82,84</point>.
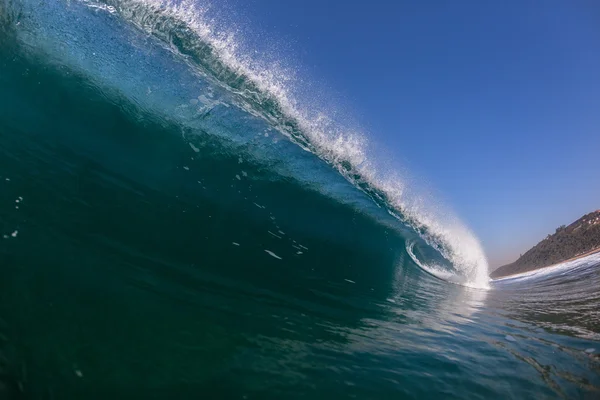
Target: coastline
<point>589,253</point>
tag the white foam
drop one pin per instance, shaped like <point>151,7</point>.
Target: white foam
<point>277,236</point>
<point>273,254</point>
<point>196,150</point>
<point>445,274</point>
<point>554,269</point>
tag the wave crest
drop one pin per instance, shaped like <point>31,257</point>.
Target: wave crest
<point>271,92</point>
<point>268,91</point>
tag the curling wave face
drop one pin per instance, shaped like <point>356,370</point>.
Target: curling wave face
<point>213,86</point>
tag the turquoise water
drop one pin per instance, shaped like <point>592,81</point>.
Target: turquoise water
<point>176,225</point>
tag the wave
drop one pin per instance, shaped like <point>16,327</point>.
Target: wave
<point>238,86</point>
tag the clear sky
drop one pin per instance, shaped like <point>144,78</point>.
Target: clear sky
<point>495,104</point>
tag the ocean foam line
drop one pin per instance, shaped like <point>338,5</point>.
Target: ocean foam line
<point>270,92</point>
<point>561,268</point>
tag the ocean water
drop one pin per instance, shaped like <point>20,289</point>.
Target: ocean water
<point>178,221</point>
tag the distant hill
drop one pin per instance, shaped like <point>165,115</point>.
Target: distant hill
<point>579,238</point>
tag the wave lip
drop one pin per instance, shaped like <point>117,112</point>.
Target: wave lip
<point>445,273</point>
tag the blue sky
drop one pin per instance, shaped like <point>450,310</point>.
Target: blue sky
<point>496,105</point>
